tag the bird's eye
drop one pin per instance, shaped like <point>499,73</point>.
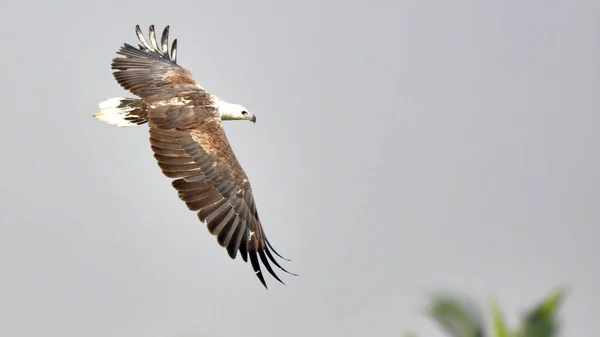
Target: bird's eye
<point>244,112</point>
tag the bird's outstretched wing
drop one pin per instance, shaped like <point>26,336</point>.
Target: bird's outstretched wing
<point>212,183</point>
<point>151,70</point>
<point>190,146</point>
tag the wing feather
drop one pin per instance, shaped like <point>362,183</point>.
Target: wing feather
<point>174,51</point>
<point>232,249</point>
<point>165,42</point>
<point>152,35</point>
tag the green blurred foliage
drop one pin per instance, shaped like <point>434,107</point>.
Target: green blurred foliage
<point>541,321</point>
<point>459,317</point>
<point>499,328</point>
<point>456,315</point>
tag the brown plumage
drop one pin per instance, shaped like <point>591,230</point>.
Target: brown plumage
<point>190,146</point>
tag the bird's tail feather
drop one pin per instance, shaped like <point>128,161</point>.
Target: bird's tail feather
<point>122,112</point>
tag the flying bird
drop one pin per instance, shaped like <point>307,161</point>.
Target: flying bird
<point>190,145</point>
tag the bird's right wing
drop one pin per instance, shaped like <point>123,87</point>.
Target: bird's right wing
<point>151,70</point>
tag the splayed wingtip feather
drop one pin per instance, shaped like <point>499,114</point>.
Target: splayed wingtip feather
<point>165,41</point>
<point>174,51</point>
<point>152,35</point>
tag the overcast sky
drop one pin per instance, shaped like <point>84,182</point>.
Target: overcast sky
<point>401,147</point>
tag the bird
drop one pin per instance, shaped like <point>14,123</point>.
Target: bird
<point>189,144</point>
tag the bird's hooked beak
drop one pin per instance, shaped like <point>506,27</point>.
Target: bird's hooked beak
<point>253,119</point>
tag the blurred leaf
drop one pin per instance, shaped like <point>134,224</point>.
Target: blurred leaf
<point>541,321</point>
<point>498,324</point>
<point>457,316</point>
<point>550,305</point>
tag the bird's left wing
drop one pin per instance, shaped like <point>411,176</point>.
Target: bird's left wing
<point>210,180</point>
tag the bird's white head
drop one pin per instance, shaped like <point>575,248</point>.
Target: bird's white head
<point>233,112</point>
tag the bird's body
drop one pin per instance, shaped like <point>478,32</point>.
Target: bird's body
<point>190,145</point>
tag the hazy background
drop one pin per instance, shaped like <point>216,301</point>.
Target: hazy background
<point>401,147</point>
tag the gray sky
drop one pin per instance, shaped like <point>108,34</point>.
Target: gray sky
<point>401,147</point>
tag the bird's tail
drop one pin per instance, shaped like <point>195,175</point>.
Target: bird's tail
<point>121,111</point>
